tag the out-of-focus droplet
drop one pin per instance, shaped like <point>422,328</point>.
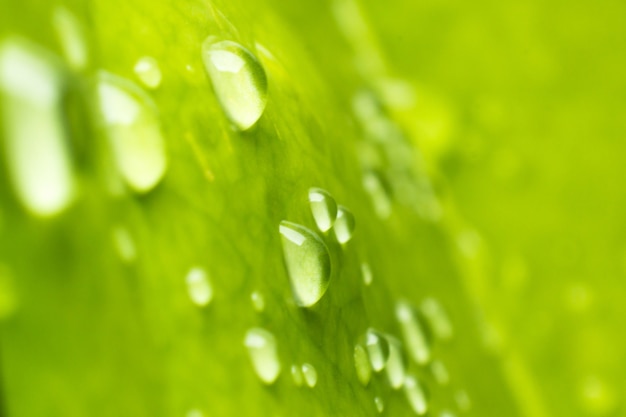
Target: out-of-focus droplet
<point>263,352</point>
<point>199,286</point>
<point>463,401</point>
<point>296,375</point>
<point>148,71</point>
<point>258,301</point>
<point>380,404</point>
<point>437,319</point>
<point>124,244</point>
<point>415,395</point>
<point>379,196</point>
<point>366,272</point>
<point>71,35</point>
<point>310,375</point>
<point>362,364</point>
<point>440,373</point>
<point>414,332</point>
<point>396,364</point>
<point>8,296</point>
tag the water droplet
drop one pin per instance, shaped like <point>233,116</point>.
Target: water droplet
<point>258,301</point>
<point>199,286</point>
<point>396,364</point>
<point>124,244</point>
<point>462,400</point>
<point>380,405</point>
<point>415,395</point>
<point>71,36</point>
<point>263,352</point>
<point>366,272</point>
<point>307,261</point>
<point>437,319</point>
<point>132,126</point>
<point>310,374</point>
<point>373,185</point>
<point>296,375</point>
<point>362,365</point>
<point>440,373</point>
<point>148,71</point>
<point>194,413</point>
<point>344,225</point>
<point>323,208</point>
<point>414,332</point>
<point>238,79</point>
<point>8,298</point>
<point>35,136</point>
<point>377,349</point>
<point>446,413</point>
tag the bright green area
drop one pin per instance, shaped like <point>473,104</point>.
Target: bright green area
<point>516,111</point>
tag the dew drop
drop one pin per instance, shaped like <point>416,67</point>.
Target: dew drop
<point>366,272</point>
<point>238,79</point>
<point>379,196</point>
<point>148,71</point>
<point>131,123</point>
<point>296,375</point>
<point>440,373</point>
<point>377,349</point>
<point>35,132</point>
<point>124,244</point>
<point>462,400</point>
<point>362,365</point>
<point>396,364</point>
<point>199,286</point>
<point>310,375</point>
<point>380,405</point>
<point>437,319</point>
<point>71,35</point>
<point>307,261</point>
<point>263,352</point>
<point>344,225</point>
<point>415,395</point>
<point>258,301</point>
<point>414,332</point>
<point>323,208</point>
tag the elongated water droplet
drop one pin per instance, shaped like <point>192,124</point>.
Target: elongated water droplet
<point>263,352</point>
<point>462,400</point>
<point>362,365</point>
<point>437,319</point>
<point>72,37</point>
<point>199,286</point>
<point>238,79</point>
<point>344,225</point>
<point>440,373</point>
<point>296,375</point>
<point>378,194</point>
<point>124,244</point>
<point>380,405</point>
<point>366,272</point>
<point>195,413</point>
<point>148,72</point>
<point>310,374</point>
<point>323,208</point>
<point>37,157</point>
<point>414,332</point>
<point>415,395</point>
<point>132,126</point>
<point>377,349</point>
<point>258,301</point>
<point>447,413</point>
<point>307,261</point>
<point>396,364</point>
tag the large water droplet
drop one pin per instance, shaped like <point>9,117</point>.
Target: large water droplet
<point>148,72</point>
<point>377,348</point>
<point>380,404</point>
<point>263,352</point>
<point>440,373</point>
<point>415,395</point>
<point>199,286</point>
<point>296,375</point>
<point>124,244</point>
<point>362,365</point>
<point>132,126</point>
<point>344,225</point>
<point>323,208</point>
<point>307,261</point>
<point>414,332</point>
<point>437,318</point>
<point>238,79</point>
<point>396,364</point>
<point>35,132</point>
<point>258,301</point>
<point>310,374</point>
<point>72,37</point>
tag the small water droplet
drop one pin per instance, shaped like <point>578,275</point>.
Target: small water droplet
<point>258,301</point>
<point>148,71</point>
<point>362,365</point>
<point>132,126</point>
<point>373,185</point>
<point>440,373</point>
<point>344,225</point>
<point>195,413</point>
<point>199,286</point>
<point>447,413</point>
<point>35,131</point>
<point>414,332</point>
<point>366,272</point>
<point>263,352</point>
<point>396,364</point>
<point>124,244</point>
<point>462,400</point>
<point>437,319</point>
<point>415,395</point>
<point>307,261</point>
<point>380,405</point>
<point>310,374</point>
<point>238,79</point>
<point>71,36</point>
<point>323,208</point>
<point>377,349</point>
<point>296,375</point>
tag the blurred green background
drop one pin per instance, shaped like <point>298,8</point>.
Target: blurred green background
<point>513,141</point>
